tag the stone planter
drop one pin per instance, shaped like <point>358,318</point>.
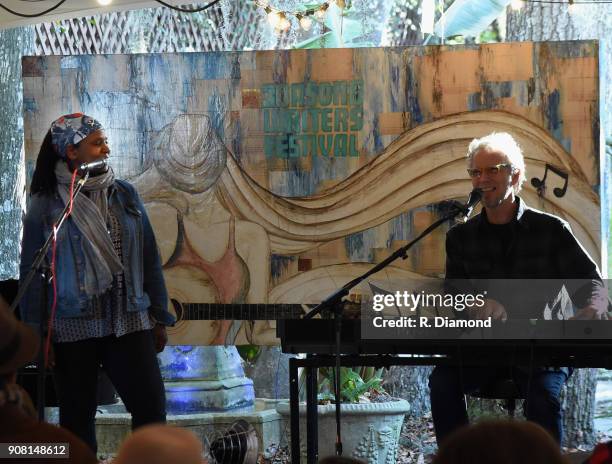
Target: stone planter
<point>370,431</point>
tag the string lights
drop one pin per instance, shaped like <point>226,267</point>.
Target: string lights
<point>104,3</point>
<point>279,19</point>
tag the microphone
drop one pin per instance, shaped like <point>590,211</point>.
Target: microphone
<point>473,199</point>
<point>94,166</point>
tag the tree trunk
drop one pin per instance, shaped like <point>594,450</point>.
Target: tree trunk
<point>14,43</point>
<point>578,403</point>
<point>410,383</point>
<point>269,373</point>
<point>540,22</point>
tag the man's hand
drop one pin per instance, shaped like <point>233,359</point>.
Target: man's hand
<point>590,313</point>
<point>492,308</point>
<point>160,337</point>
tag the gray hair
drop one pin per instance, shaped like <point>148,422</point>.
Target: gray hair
<point>505,144</point>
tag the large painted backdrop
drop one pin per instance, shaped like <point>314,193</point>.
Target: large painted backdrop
<point>276,176</point>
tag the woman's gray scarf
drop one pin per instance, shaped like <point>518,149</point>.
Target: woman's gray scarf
<point>90,214</point>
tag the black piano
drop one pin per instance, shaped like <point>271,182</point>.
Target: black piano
<point>547,343</point>
<point>521,342</point>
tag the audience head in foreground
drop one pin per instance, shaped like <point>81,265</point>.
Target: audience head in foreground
<point>500,442</point>
<point>160,444</point>
<point>18,419</point>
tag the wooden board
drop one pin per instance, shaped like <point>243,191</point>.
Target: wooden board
<point>276,176</point>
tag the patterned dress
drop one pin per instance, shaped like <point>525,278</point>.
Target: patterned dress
<point>107,314</point>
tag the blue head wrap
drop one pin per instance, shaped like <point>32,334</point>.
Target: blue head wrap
<point>70,129</point>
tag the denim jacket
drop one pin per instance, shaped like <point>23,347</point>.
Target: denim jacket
<point>144,282</point>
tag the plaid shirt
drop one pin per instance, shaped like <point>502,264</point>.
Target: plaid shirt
<point>538,246</point>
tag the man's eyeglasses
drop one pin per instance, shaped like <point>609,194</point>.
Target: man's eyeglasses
<point>490,170</point>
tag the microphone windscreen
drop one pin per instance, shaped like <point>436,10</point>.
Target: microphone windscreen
<point>475,196</point>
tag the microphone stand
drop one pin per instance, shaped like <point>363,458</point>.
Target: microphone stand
<point>41,267</point>
<point>333,302</point>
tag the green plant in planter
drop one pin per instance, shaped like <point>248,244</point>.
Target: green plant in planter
<point>249,353</point>
<point>356,384</point>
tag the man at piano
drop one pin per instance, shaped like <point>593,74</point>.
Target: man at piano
<point>508,240</point>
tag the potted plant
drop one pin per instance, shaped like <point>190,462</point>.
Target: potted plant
<point>371,419</point>
<point>357,385</point>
